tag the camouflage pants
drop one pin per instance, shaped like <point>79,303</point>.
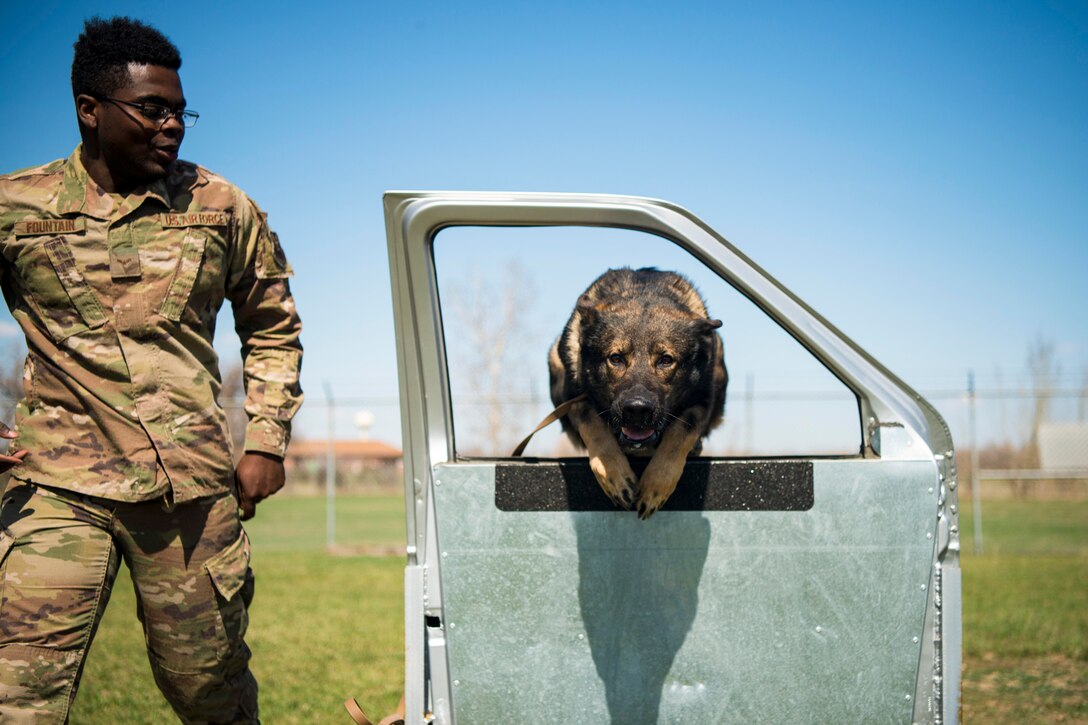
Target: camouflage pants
<point>59,556</point>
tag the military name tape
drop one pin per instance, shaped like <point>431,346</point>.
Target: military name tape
<point>35,227</point>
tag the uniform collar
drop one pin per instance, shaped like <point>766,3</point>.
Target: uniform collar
<point>81,194</point>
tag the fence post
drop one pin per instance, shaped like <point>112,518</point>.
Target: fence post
<point>976,494</point>
<point>330,469</point>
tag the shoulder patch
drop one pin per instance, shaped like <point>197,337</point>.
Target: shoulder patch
<point>271,261</point>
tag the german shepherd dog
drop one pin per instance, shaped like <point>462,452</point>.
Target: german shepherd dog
<point>649,360</point>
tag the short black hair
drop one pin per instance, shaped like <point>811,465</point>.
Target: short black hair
<point>106,47</point>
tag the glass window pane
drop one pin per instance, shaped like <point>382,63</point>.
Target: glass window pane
<point>507,292</point>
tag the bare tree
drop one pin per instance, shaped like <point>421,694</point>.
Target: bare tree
<point>487,343</point>
<point>12,360</point>
<point>1082,401</point>
<point>1044,371</point>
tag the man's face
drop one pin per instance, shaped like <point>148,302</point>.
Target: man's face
<point>137,150</point>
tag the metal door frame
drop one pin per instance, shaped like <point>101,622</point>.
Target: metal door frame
<point>897,423</point>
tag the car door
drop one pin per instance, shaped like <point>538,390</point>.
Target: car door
<point>778,585</point>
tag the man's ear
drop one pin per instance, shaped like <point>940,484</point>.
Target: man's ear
<point>87,109</point>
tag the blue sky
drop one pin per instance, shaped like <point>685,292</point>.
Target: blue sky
<point>917,172</point>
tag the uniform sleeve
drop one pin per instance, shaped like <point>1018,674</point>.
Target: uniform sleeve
<point>268,326</point>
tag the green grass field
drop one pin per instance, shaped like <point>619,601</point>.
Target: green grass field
<point>324,627</point>
<point>1025,613</point>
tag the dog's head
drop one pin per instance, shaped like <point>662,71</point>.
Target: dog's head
<point>643,361</point>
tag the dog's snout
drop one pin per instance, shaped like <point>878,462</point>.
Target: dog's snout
<point>638,410</point>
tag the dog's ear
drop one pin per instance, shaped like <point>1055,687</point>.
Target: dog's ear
<point>704,326</point>
<point>587,310</point>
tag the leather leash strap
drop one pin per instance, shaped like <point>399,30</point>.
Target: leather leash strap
<point>553,416</point>
<point>357,714</point>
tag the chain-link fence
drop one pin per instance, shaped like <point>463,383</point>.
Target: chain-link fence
<point>1013,442</point>
<point>1016,442</point>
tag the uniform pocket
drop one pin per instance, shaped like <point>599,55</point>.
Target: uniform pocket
<point>233,581</point>
<point>177,296</point>
<point>229,569</point>
<point>280,369</point>
<point>271,261</point>
<point>56,290</point>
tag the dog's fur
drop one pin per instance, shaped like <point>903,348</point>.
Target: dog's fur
<point>642,348</point>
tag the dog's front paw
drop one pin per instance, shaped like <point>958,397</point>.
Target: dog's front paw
<point>655,487</point>
<point>616,478</point>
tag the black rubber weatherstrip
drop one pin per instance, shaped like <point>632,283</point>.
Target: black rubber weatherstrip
<point>707,485</point>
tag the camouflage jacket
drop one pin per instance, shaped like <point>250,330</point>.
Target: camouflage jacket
<point>118,297</point>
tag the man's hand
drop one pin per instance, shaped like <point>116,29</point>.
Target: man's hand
<point>12,458</point>
<point>259,475</point>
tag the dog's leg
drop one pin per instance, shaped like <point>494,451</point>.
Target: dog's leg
<point>667,465</point>
<point>606,460</point>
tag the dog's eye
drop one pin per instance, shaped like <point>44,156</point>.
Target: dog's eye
<point>665,361</point>
<point>615,358</point>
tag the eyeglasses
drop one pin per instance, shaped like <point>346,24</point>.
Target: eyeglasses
<point>157,113</point>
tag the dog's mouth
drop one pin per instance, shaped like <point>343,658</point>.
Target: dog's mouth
<point>638,437</point>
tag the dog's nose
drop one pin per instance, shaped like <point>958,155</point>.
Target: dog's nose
<point>638,411</point>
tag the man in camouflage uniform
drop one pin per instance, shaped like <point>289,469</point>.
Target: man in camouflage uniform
<point>115,262</point>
